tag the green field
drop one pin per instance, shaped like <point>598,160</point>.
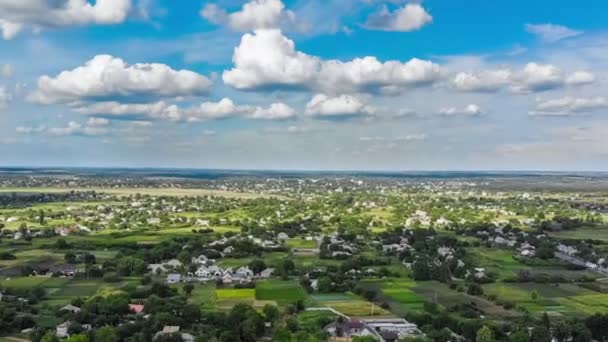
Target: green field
<point>599,233</point>
<point>282,292</point>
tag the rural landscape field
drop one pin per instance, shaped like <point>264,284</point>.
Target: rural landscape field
<point>303,171</point>
<point>303,257</point>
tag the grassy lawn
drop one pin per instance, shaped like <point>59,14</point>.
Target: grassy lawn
<point>24,282</point>
<point>204,295</point>
<point>566,299</point>
<point>280,291</point>
<point>349,304</point>
<point>178,192</point>
<point>599,233</point>
<point>301,243</point>
<point>499,261</point>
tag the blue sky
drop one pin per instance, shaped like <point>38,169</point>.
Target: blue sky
<point>305,84</point>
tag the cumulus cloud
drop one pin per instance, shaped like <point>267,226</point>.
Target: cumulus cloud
<point>580,77</point>
<point>222,109</point>
<point>106,77</point>
<point>489,80</point>
<point>256,14</point>
<point>30,129</point>
<point>5,98</point>
<point>404,138</point>
<point>410,17</point>
<point>324,106</point>
<point>533,77</point>
<point>267,59</point>
<point>6,71</point>
<point>93,127</point>
<point>36,14</point>
<point>551,33</point>
<point>569,105</point>
<point>469,110</point>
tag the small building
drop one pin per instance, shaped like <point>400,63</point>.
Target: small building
<point>70,308</point>
<point>174,278</point>
<point>61,330</point>
<point>136,308</point>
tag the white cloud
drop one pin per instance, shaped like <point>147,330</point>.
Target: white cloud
<point>222,109</point>
<point>569,105</point>
<point>256,14</point>
<point>6,71</point>
<point>409,137</point>
<point>410,17</point>
<point>324,106</point>
<point>36,14</point>
<point>93,127</point>
<point>538,77</point>
<point>267,59</point>
<point>469,110</point>
<point>490,80</point>
<point>106,77</point>
<point>551,33</point>
<point>5,98</point>
<point>276,111</point>
<point>30,129</point>
<point>533,77</point>
<point>580,77</point>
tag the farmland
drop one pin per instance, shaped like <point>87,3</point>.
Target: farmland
<point>404,253</point>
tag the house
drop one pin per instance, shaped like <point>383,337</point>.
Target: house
<point>244,272</point>
<point>202,272</point>
<point>70,308</point>
<point>174,278</point>
<point>282,236</point>
<point>61,330</point>
<point>349,329</point>
<point>66,270</point>
<point>227,278</point>
<point>136,308</point>
<point>170,330</point>
<point>390,327</point>
<point>228,250</point>
<point>157,268</point>
<point>267,273</point>
<point>201,260</point>
<point>173,263</point>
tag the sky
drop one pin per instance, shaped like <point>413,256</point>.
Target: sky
<point>305,84</point>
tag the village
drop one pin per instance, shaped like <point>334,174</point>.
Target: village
<point>357,259</point>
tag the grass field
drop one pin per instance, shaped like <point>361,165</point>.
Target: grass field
<point>499,261</point>
<point>599,233</point>
<point>282,292</point>
<point>178,192</point>
<point>301,243</point>
<point>567,299</point>
<point>349,304</point>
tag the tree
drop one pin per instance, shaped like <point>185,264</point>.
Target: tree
<point>540,334</point>
<point>106,334</point>
<point>188,289</point>
<point>49,337</point>
<point>485,334</point>
<point>580,333</point>
<point>561,330</point>
<point>70,258</point>
<point>475,290</point>
<point>271,312</point>
<point>257,266</point>
<point>519,336</point>
<point>534,295</point>
<point>78,338</point>
<point>282,335</point>
<point>546,320</point>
